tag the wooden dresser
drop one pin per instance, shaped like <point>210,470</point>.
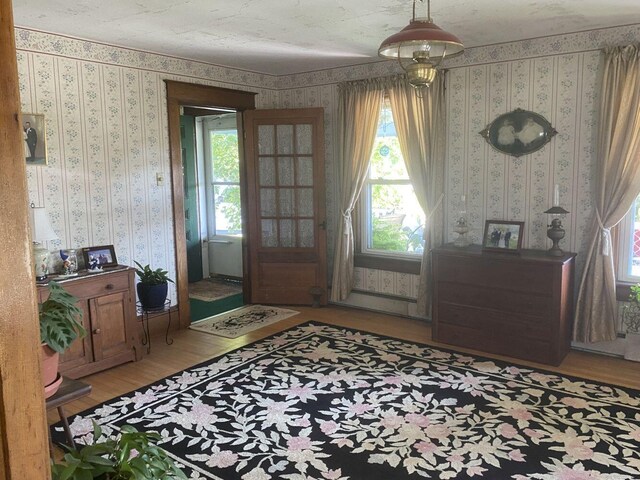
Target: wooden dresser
<point>108,302</point>
<point>520,305</point>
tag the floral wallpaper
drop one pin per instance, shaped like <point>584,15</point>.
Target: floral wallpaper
<point>107,137</point>
<point>553,76</point>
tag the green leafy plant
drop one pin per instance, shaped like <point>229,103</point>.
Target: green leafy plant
<point>631,311</point>
<point>152,277</point>
<point>130,455</point>
<point>60,319</point>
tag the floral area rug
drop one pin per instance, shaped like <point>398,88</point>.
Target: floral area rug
<point>324,402</point>
<point>242,320</point>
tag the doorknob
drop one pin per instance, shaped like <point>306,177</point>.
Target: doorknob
<point>97,331</point>
<point>323,225</point>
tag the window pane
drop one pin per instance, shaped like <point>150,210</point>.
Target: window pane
<point>303,138</point>
<point>386,157</point>
<point>287,235</point>
<point>305,229</point>
<point>267,202</point>
<point>305,171</point>
<point>267,173</point>
<point>227,209</point>
<point>285,202</point>
<point>224,152</point>
<point>266,139</point>
<point>396,221</point>
<point>285,139</point>
<point>285,171</point>
<point>269,233</point>
<point>635,249</point>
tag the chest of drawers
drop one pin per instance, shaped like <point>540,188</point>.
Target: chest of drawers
<point>520,305</point>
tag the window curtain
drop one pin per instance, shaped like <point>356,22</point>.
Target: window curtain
<point>358,114</point>
<point>617,185</point>
<point>420,124</point>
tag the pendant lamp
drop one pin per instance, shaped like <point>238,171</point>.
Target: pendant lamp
<point>420,47</point>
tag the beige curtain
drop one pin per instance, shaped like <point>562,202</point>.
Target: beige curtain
<point>420,123</point>
<point>617,185</point>
<point>358,114</point>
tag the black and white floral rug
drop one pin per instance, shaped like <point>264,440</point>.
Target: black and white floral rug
<point>324,402</point>
<point>242,320</point>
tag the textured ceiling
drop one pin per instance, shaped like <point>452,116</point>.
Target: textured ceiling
<point>291,36</point>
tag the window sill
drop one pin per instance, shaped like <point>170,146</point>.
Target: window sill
<point>389,264</point>
<point>623,290</point>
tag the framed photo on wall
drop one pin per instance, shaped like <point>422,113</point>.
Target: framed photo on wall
<point>99,257</point>
<point>34,138</point>
<point>502,236</point>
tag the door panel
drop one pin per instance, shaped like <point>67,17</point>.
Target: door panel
<point>286,205</point>
<point>192,230</point>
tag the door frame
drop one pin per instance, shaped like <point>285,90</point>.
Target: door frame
<point>181,94</point>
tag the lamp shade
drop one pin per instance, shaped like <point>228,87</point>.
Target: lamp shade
<point>421,35</point>
<point>41,229</point>
<point>557,210</point>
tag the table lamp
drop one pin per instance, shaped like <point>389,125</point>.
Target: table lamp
<point>555,231</point>
<point>41,231</point>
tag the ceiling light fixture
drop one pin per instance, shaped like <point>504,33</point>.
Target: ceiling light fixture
<point>420,47</point>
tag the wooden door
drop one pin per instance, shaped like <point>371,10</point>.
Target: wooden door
<point>81,350</point>
<point>109,325</point>
<point>285,205</point>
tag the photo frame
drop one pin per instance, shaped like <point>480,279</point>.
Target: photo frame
<point>519,132</point>
<point>502,236</point>
<point>101,257</point>
<point>34,138</point>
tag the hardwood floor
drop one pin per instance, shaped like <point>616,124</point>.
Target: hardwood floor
<point>191,347</point>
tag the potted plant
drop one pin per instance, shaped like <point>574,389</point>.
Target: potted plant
<point>153,286</point>
<point>130,455</point>
<point>631,322</point>
<point>60,324</point>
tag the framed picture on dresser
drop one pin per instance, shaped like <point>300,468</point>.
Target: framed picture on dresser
<point>502,236</point>
<point>99,257</point>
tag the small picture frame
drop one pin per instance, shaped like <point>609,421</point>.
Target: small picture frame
<point>34,138</point>
<point>502,236</point>
<point>99,257</point>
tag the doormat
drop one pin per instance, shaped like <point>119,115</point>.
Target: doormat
<point>325,402</point>
<point>211,289</point>
<point>243,320</point>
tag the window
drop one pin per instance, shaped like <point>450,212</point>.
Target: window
<point>225,182</point>
<point>392,220</point>
<point>629,257</point>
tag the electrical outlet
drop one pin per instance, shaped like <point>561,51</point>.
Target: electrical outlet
<point>160,179</point>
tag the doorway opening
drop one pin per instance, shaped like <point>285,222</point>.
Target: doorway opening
<point>213,210</point>
<point>197,101</point>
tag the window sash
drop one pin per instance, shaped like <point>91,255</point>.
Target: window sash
<point>626,246</point>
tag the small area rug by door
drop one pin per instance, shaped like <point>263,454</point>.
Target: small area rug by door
<point>242,320</point>
<point>325,402</point>
<point>212,289</point>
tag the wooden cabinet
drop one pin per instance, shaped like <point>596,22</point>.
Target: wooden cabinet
<point>109,316</point>
<point>520,305</point>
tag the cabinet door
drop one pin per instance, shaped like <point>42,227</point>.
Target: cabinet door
<point>81,351</point>
<point>109,325</point>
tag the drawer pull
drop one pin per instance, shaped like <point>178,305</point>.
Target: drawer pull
<point>97,331</point>
<point>109,286</point>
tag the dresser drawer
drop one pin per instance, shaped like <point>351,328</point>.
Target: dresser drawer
<point>487,297</point>
<point>496,273</point>
<point>503,344</point>
<point>496,321</point>
<point>99,285</point>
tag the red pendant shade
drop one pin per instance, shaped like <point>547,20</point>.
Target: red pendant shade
<point>421,35</point>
